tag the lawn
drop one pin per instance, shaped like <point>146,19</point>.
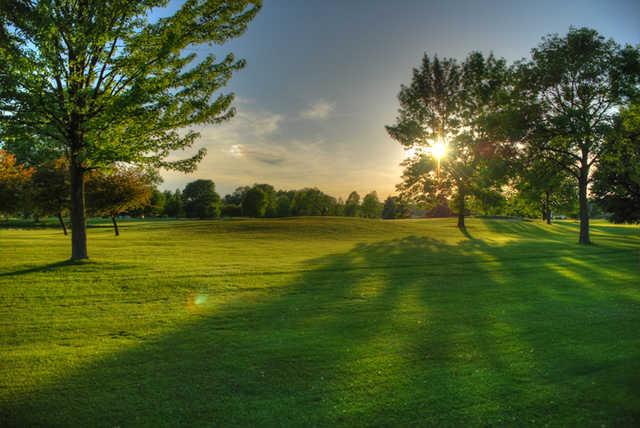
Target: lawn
<point>321,322</point>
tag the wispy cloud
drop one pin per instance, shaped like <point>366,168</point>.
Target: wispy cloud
<point>259,154</point>
<point>320,109</point>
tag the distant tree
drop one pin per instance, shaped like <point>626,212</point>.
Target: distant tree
<point>174,205</point>
<point>101,82</point>
<point>283,203</point>
<point>236,197</point>
<point>155,207</point>
<point>443,115</point>
<point>352,205</point>
<point>338,208</point>
<point>14,182</point>
<point>546,186</point>
<point>50,190</point>
<point>201,200</point>
<point>311,202</point>
<point>271,199</point>
<point>395,207</point>
<point>568,95</point>
<point>371,206</point>
<point>617,179</point>
<point>254,203</point>
<point>110,193</point>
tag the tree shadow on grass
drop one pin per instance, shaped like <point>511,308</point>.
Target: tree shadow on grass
<point>49,267</point>
<point>404,332</point>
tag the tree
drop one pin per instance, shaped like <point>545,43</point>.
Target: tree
<point>617,180</point>
<point>173,206</point>
<point>155,207</point>
<point>254,203</point>
<point>569,93</point>
<point>395,207</point>
<point>546,186</point>
<point>443,118</point>
<point>352,205</point>
<point>50,190</point>
<point>101,82</point>
<point>371,207</point>
<point>271,207</point>
<point>110,193</point>
<point>311,202</point>
<point>283,203</point>
<point>201,200</point>
<point>14,181</point>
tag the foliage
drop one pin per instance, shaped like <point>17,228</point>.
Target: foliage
<point>371,206</point>
<point>617,179</point>
<point>395,207</point>
<point>312,202</point>
<point>14,182</point>
<point>352,205</point>
<point>49,190</point>
<point>118,190</point>
<point>201,200</point>
<point>254,202</point>
<point>173,205</point>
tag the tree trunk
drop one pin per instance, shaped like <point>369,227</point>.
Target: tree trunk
<point>547,204</point>
<point>78,219</point>
<point>584,205</point>
<point>115,225</point>
<point>64,226</point>
<point>461,210</point>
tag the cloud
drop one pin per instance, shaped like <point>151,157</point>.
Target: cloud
<point>262,155</point>
<point>319,110</point>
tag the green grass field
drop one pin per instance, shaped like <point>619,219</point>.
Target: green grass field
<point>321,322</point>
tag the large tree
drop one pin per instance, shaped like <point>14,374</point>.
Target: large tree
<point>442,119</point>
<point>569,93</point>
<point>102,82</point>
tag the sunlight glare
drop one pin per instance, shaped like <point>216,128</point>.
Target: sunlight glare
<point>438,149</point>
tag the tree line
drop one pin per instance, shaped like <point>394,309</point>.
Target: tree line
<point>36,192</point>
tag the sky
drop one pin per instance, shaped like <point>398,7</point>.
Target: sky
<point>322,78</point>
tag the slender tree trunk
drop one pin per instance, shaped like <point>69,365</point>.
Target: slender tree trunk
<point>461,197</point>
<point>78,219</point>
<point>584,206</point>
<point>547,204</point>
<point>64,226</point>
<point>115,225</point>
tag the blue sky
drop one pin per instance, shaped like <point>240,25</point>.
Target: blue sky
<point>322,78</point>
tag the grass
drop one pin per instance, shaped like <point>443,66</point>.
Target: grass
<point>321,322</point>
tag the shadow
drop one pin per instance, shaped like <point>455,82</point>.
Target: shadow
<point>411,331</point>
<point>50,267</point>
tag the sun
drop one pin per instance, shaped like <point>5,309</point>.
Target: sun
<point>438,149</point>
